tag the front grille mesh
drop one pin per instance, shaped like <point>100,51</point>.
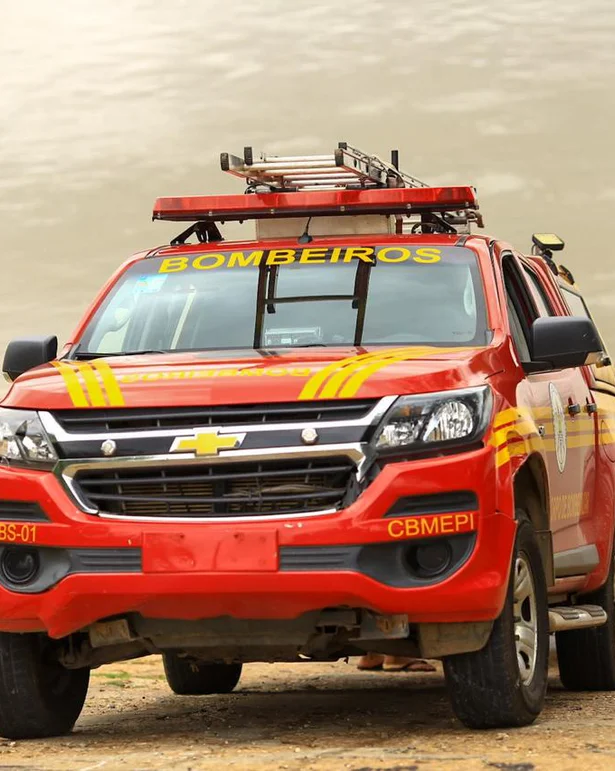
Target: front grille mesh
<point>224,490</point>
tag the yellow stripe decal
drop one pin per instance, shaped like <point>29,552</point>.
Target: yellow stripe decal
<point>356,369</point>
<point>361,370</point>
<point>340,376</point>
<point>506,416</point>
<point>310,389</point>
<point>580,426</point>
<point>356,380</point>
<point>73,386</point>
<point>97,398</point>
<point>522,428</point>
<point>502,456</point>
<point>114,393</point>
<point>515,432</point>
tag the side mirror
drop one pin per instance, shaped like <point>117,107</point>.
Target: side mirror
<point>565,341</point>
<point>28,352</point>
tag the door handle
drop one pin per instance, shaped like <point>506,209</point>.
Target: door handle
<point>574,409</point>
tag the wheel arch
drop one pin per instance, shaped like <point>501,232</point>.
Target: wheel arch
<point>531,485</point>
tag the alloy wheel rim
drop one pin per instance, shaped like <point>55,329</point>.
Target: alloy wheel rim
<point>526,619</point>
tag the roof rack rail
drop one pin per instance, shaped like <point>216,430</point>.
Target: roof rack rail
<point>345,168</point>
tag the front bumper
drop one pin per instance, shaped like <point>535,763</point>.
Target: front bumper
<point>256,569</point>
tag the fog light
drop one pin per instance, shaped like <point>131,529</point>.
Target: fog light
<point>428,560</point>
<point>19,566</point>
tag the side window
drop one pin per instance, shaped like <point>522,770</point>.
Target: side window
<point>541,301</point>
<point>516,328</point>
<point>576,303</point>
<point>577,306</point>
<point>521,314</point>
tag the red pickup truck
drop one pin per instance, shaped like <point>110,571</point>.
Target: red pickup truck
<point>366,430</point>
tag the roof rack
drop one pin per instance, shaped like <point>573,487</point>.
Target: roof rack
<point>345,182</point>
<point>345,168</point>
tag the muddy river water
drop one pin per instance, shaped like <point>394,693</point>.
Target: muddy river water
<point>104,106</point>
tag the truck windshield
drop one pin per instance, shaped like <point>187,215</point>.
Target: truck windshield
<point>308,296</point>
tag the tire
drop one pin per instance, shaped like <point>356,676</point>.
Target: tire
<point>38,696</point>
<point>504,684</point>
<point>191,677</point>
<point>586,657</point>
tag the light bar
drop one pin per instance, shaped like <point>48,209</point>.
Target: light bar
<point>222,208</point>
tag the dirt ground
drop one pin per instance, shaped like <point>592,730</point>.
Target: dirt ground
<point>311,717</point>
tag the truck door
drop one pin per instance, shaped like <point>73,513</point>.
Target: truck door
<point>559,401</point>
<point>599,529</point>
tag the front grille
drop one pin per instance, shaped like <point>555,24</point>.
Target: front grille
<point>99,421</point>
<point>224,490</point>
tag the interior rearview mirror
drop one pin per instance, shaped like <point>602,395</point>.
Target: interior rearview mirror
<point>28,352</point>
<point>559,342</point>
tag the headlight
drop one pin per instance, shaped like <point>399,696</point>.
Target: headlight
<point>438,419</point>
<point>23,439</point>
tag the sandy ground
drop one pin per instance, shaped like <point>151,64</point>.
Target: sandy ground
<point>311,716</point>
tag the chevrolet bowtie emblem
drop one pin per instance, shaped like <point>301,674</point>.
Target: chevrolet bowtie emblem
<point>207,443</point>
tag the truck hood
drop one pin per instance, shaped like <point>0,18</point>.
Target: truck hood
<point>249,377</point>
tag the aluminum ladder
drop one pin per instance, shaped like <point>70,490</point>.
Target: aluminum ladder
<point>345,168</point>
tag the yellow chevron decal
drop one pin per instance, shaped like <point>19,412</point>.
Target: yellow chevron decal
<point>346,383</point>
<point>114,393</point>
<point>339,377</point>
<point>90,384</point>
<point>310,389</point>
<point>97,398</point>
<point>356,380</point>
<point>73,386</point>
<point>515,432</point>
<point>342,379</point>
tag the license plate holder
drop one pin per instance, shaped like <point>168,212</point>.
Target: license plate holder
<point>235,551</point>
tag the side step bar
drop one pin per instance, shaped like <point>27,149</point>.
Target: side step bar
<point>566,618</point>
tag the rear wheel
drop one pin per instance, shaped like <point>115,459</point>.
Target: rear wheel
<point>586,657</point>
<point>188,676</point>
<point>504,684</point>
<point>38,696</point>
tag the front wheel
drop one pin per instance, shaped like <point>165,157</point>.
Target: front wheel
<point>38,696</point>
<point>187,676</point>
<point>504,684</point>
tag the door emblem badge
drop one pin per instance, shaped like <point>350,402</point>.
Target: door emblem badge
<point>203,443</point>
<point>559,427</point>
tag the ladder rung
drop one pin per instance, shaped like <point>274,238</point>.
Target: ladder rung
<point>318,177</point>
<point>286,172</point>
<point>296,158</point>
<point>274,166</point>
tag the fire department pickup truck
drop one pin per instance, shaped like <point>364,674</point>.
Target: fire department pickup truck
<point>367,430</point>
